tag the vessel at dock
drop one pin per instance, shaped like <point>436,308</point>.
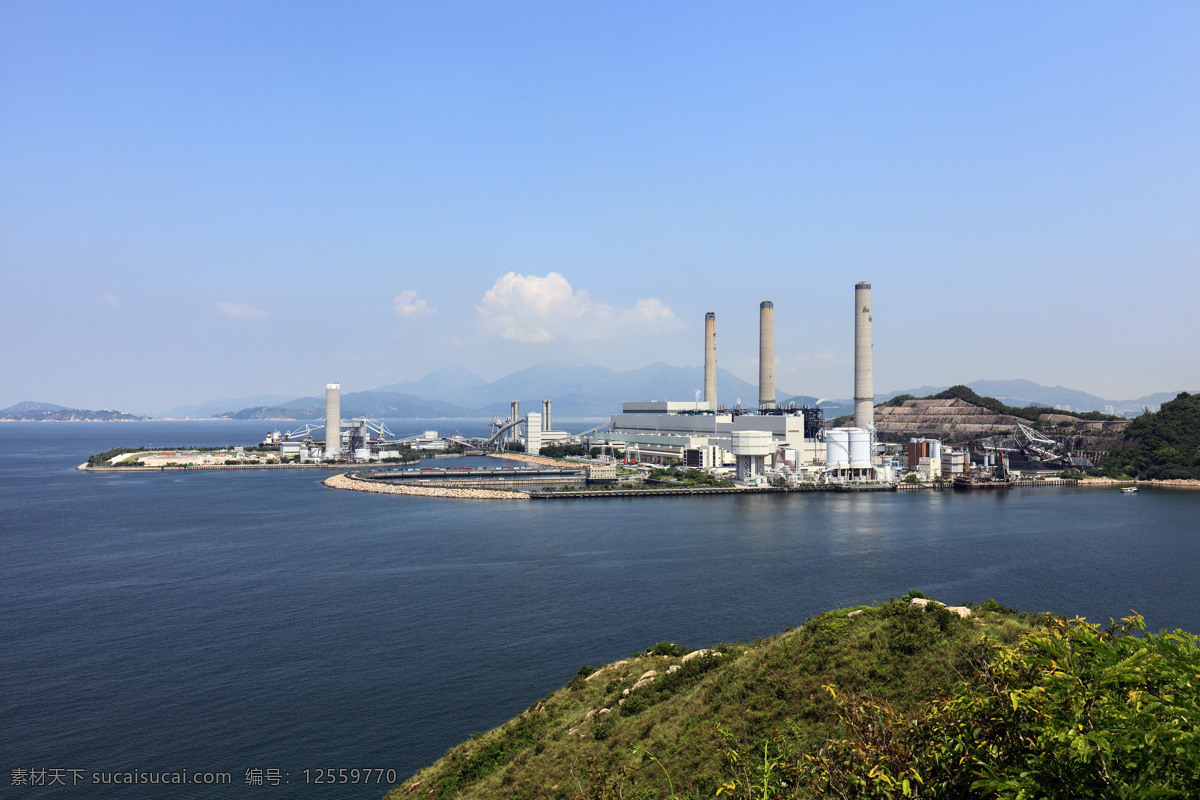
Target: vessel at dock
<point>982,482</point>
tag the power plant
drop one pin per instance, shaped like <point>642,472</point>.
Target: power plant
<point>782,445</point>
<point>766,446</point>
<point>768,443</point>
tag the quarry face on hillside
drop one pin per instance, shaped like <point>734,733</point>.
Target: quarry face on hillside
<point>957,417</point>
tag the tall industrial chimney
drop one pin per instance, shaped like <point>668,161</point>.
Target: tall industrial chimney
<point>864,381</point>
<point>546,415</point>
<point>710,360</point>
<point>333,420</point>
<point>766,354</point>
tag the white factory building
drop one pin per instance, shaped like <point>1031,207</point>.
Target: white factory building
<point>663,431</point>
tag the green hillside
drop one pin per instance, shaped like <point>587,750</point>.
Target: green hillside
<point>885,701</point>
<point>1164,445</point>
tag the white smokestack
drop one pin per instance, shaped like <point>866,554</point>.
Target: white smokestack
<point>766,354</point>
<point>710,360</point>
<point>864,380</point>
<point>333,420</point>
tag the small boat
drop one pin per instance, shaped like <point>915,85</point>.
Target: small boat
<point>1129,490</point>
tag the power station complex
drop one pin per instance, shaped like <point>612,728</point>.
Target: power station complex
<point>768,443</point>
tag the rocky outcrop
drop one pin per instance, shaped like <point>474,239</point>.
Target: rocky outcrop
<point>922,603</point>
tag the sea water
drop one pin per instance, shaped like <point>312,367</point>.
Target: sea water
<point>257,627</point>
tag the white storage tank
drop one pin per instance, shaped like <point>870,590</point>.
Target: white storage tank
<point>362,453</point>
<point>837,447</point>
<point>752,443</point>
<point>860,447</point>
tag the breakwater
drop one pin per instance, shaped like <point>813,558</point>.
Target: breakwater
<point>481,478</point>
<point>356,484</point>
<point>205,467</point>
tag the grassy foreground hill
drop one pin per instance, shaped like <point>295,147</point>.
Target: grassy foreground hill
<point>903,699</point>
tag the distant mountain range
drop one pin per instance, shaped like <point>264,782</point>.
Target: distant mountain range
<point>592,391</point>
<point>577,391</point>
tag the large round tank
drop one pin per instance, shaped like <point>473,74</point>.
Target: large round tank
<point>860,447</point>
<point>837,447</point>
<point>362,453</point>
<point>752,443</point>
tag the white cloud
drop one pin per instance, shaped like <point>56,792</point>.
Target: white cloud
<point>241,311</point>
<point>110,299</point>
<point>529,308</point>
<point>407,304</point>
<point>650,311</point>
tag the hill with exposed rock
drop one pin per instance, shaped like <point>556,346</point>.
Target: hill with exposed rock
<point>958,414</point>
<point>907,698</point>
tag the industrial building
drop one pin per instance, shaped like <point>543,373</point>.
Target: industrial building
<point>771,443</point>
<point>532,431</point>
<point>362,440</point>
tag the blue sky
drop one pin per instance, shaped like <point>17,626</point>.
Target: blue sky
<point>219,199</point>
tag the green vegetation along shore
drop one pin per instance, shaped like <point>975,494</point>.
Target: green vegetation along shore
<point>1161,446</point>
<point>908,698</point>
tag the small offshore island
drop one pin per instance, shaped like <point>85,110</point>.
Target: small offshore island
<point>908,698</point>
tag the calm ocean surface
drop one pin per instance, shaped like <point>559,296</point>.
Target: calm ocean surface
<point>234,621</point>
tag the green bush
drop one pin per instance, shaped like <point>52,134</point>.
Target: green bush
<point>664,648</point>
<point>1071,711</point>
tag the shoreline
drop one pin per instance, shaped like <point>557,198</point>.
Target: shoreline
<point>1166,483</point>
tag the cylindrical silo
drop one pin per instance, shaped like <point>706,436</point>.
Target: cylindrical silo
<point>837,447</point>
<point>766,354</point>
<point>333,420</point>
<point>710,360</point>
<point>864,381</point>
<point>860,447</point>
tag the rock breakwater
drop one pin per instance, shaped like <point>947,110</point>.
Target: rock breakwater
<point>344,481</point>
